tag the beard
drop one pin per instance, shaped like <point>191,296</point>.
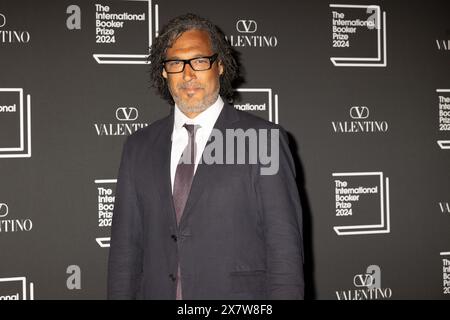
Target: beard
<point>194,106</point>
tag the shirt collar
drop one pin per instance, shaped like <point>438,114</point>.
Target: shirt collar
<point>206,119</point>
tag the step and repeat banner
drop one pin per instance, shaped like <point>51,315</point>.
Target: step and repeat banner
<point>362,87</point>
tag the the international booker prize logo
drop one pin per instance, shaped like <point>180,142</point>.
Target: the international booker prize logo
<point>360,122</point>
<point>8,225</point>
<point>444,117</point>
<point>12,36</point>
<point>16,288</point>
<point>250,35</point>
<point>445,272</point>
<point>358,34</point>
<point>106,189</point>
<point>15,123</point>
<point>362,203</point>
<point>259,101</point>
<point>366,286</point>
<point>124,31</point>
<point>126,125</point>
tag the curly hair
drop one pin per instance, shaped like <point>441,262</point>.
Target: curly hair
<point>167,36</point>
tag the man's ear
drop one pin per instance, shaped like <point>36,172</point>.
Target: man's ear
<point>164,73</point>
<point>220,67</point>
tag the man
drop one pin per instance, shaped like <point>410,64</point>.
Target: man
<point>188,228</point>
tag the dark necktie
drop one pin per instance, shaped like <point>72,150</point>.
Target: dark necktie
<point>184,175</point>
<point>185,172</point>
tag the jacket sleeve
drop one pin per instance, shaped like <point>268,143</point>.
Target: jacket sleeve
<point>125,255</point>
<point>282,217</point>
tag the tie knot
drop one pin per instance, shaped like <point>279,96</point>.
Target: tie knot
<point>191,128</point>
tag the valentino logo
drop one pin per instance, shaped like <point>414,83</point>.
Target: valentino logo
<point>359,122</point>
<point>2,20</point>
<point>3,210</point>
<point>13,225</point>
<point>445,207</point>
<point>12,36</point>
<point>443,44</point>
<point>246,26</point>
<point>359,112</point>
<point>367,286</point>
<point>127,114</point>
<point>125,126</point>
<point>248,38</point>
<point>363,280</point>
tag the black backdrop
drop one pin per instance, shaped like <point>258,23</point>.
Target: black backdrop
<point>367,107</point>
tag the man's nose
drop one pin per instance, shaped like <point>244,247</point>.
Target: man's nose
<point>188,72</point>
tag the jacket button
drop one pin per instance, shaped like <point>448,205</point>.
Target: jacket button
<point>172,277</point>
<point>174,237</point>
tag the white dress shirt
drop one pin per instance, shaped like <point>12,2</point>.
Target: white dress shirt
<point>206,120</point>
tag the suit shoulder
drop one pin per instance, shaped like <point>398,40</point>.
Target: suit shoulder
<point>249,120</point>
<point>150,133</point>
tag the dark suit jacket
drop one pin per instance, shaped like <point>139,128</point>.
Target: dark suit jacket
<point>240,236</point>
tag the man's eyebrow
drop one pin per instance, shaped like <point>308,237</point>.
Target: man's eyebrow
<point>193,57</point>
<point>173,58</point>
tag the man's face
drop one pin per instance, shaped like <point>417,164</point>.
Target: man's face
<point>193,91</point>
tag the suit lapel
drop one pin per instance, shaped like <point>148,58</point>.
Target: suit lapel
<point>163,148</point>
<point>204,172</point>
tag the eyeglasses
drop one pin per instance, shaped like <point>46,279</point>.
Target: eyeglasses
<point>197,64</point>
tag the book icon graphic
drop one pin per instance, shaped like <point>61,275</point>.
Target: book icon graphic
<point>135,58</point>
<point>16,288</point>
<point>15,123</point>
<point>272,107</point>
<point>103,217</point>
<point>373,208</point>
<point>379,59</point>
<point>444,144</point>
